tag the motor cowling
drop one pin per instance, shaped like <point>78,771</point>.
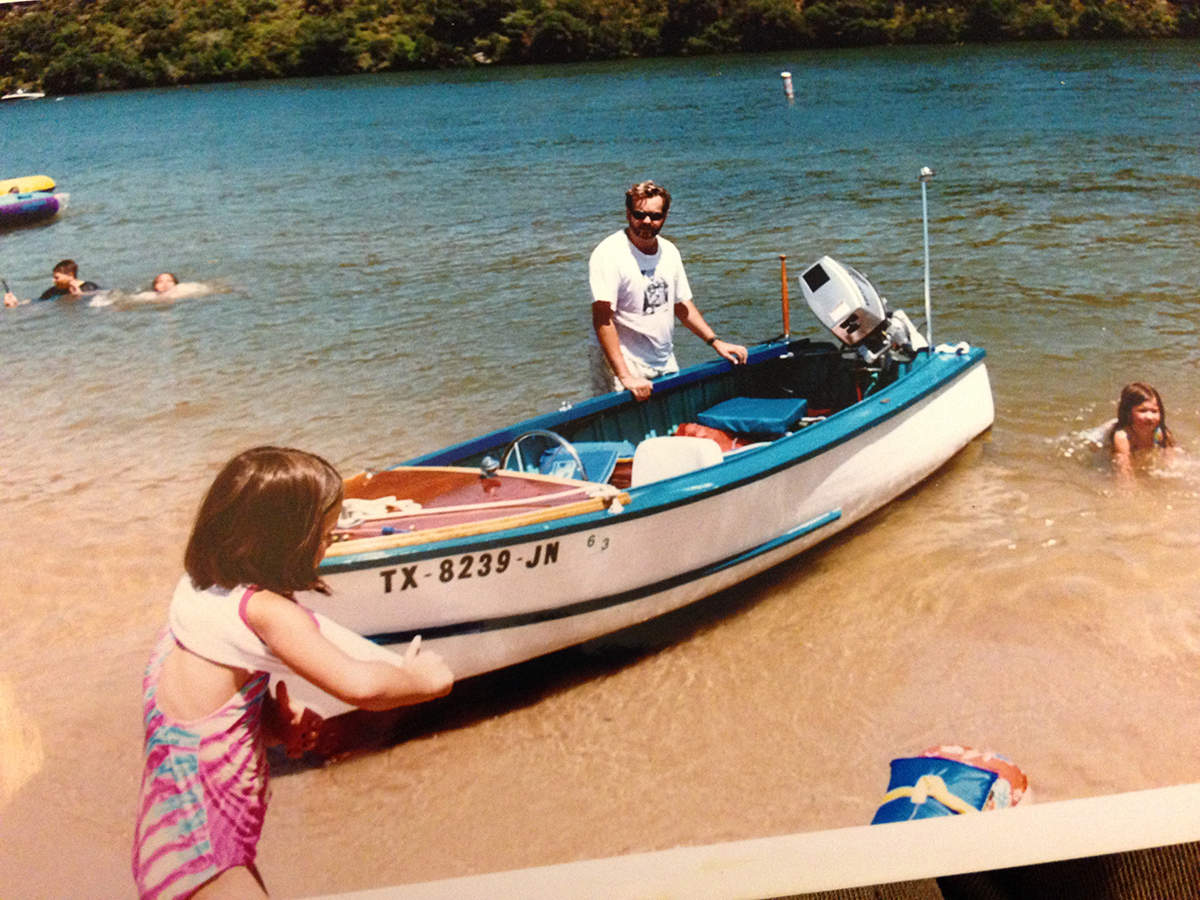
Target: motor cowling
<point>845,302</point>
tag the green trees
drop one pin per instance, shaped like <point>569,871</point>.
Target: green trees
<point>70,46</point>
<point>1138,18</point>
<point>840,23</point>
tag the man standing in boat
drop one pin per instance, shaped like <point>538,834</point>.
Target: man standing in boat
<point>639,288</point>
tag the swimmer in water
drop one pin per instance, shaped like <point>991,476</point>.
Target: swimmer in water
<point>1140,429</point>
<point>167,287</point>
<point>165,281</point>
<point>66,284</point>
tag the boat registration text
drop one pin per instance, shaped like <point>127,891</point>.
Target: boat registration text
<point>468,565</point>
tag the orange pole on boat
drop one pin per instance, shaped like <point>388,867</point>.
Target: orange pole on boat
<point>787,327</point>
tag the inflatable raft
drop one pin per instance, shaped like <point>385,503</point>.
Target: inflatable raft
<point>29,208</point>
<point>26,183</point>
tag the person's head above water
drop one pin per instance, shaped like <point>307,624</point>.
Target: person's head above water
<point>1141,415</point>
<point>164,281</point>
<point>64,273</point>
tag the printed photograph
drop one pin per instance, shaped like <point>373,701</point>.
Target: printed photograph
<point>415,471</point>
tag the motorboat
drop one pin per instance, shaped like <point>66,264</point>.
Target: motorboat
<point>606,513</point>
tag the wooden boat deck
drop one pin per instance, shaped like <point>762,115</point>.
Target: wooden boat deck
<point>418,504</point>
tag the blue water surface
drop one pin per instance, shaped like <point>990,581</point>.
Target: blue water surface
<point>400,260</point>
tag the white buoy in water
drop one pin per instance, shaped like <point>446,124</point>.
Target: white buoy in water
<point>787,85</point>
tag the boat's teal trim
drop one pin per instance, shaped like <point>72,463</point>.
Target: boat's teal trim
<point>589,606</point>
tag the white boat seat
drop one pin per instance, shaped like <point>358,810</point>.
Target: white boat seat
<point>657,458</point>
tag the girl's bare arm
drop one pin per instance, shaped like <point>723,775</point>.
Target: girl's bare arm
<point>293,636</point>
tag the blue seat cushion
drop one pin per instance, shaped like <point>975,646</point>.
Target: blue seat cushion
<point>772,417</point>
<point>599,459</point>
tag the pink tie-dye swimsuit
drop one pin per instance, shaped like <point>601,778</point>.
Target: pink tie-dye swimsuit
<point>204,787</point>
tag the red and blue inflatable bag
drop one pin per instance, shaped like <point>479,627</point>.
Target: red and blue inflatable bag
<point>950,780</point>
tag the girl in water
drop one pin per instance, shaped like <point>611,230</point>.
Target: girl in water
<point>167,287</point>
<point>1141,427</point>
<point>261,531</point>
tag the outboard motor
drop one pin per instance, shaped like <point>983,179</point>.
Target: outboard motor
<point>848,305</point>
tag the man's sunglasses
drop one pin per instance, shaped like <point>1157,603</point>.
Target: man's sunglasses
<point>644,214</point>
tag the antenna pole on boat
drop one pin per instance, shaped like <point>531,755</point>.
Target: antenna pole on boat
<point>787,327</point>
<point>926,176</point>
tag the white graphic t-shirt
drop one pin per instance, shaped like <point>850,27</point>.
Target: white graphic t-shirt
<point>642,291</point>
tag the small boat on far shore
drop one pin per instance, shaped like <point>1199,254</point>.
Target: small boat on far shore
<point>22,94</point>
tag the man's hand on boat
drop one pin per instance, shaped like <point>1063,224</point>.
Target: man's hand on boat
<point>735,353</point>
<point>639,387</point>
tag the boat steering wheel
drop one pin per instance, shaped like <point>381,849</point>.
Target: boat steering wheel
<point>514,449</point>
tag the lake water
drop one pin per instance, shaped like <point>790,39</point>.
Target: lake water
<point>395,262</point>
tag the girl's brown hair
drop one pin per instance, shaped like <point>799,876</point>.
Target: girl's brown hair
<point>1133,395</point>
<point>260,522</point>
